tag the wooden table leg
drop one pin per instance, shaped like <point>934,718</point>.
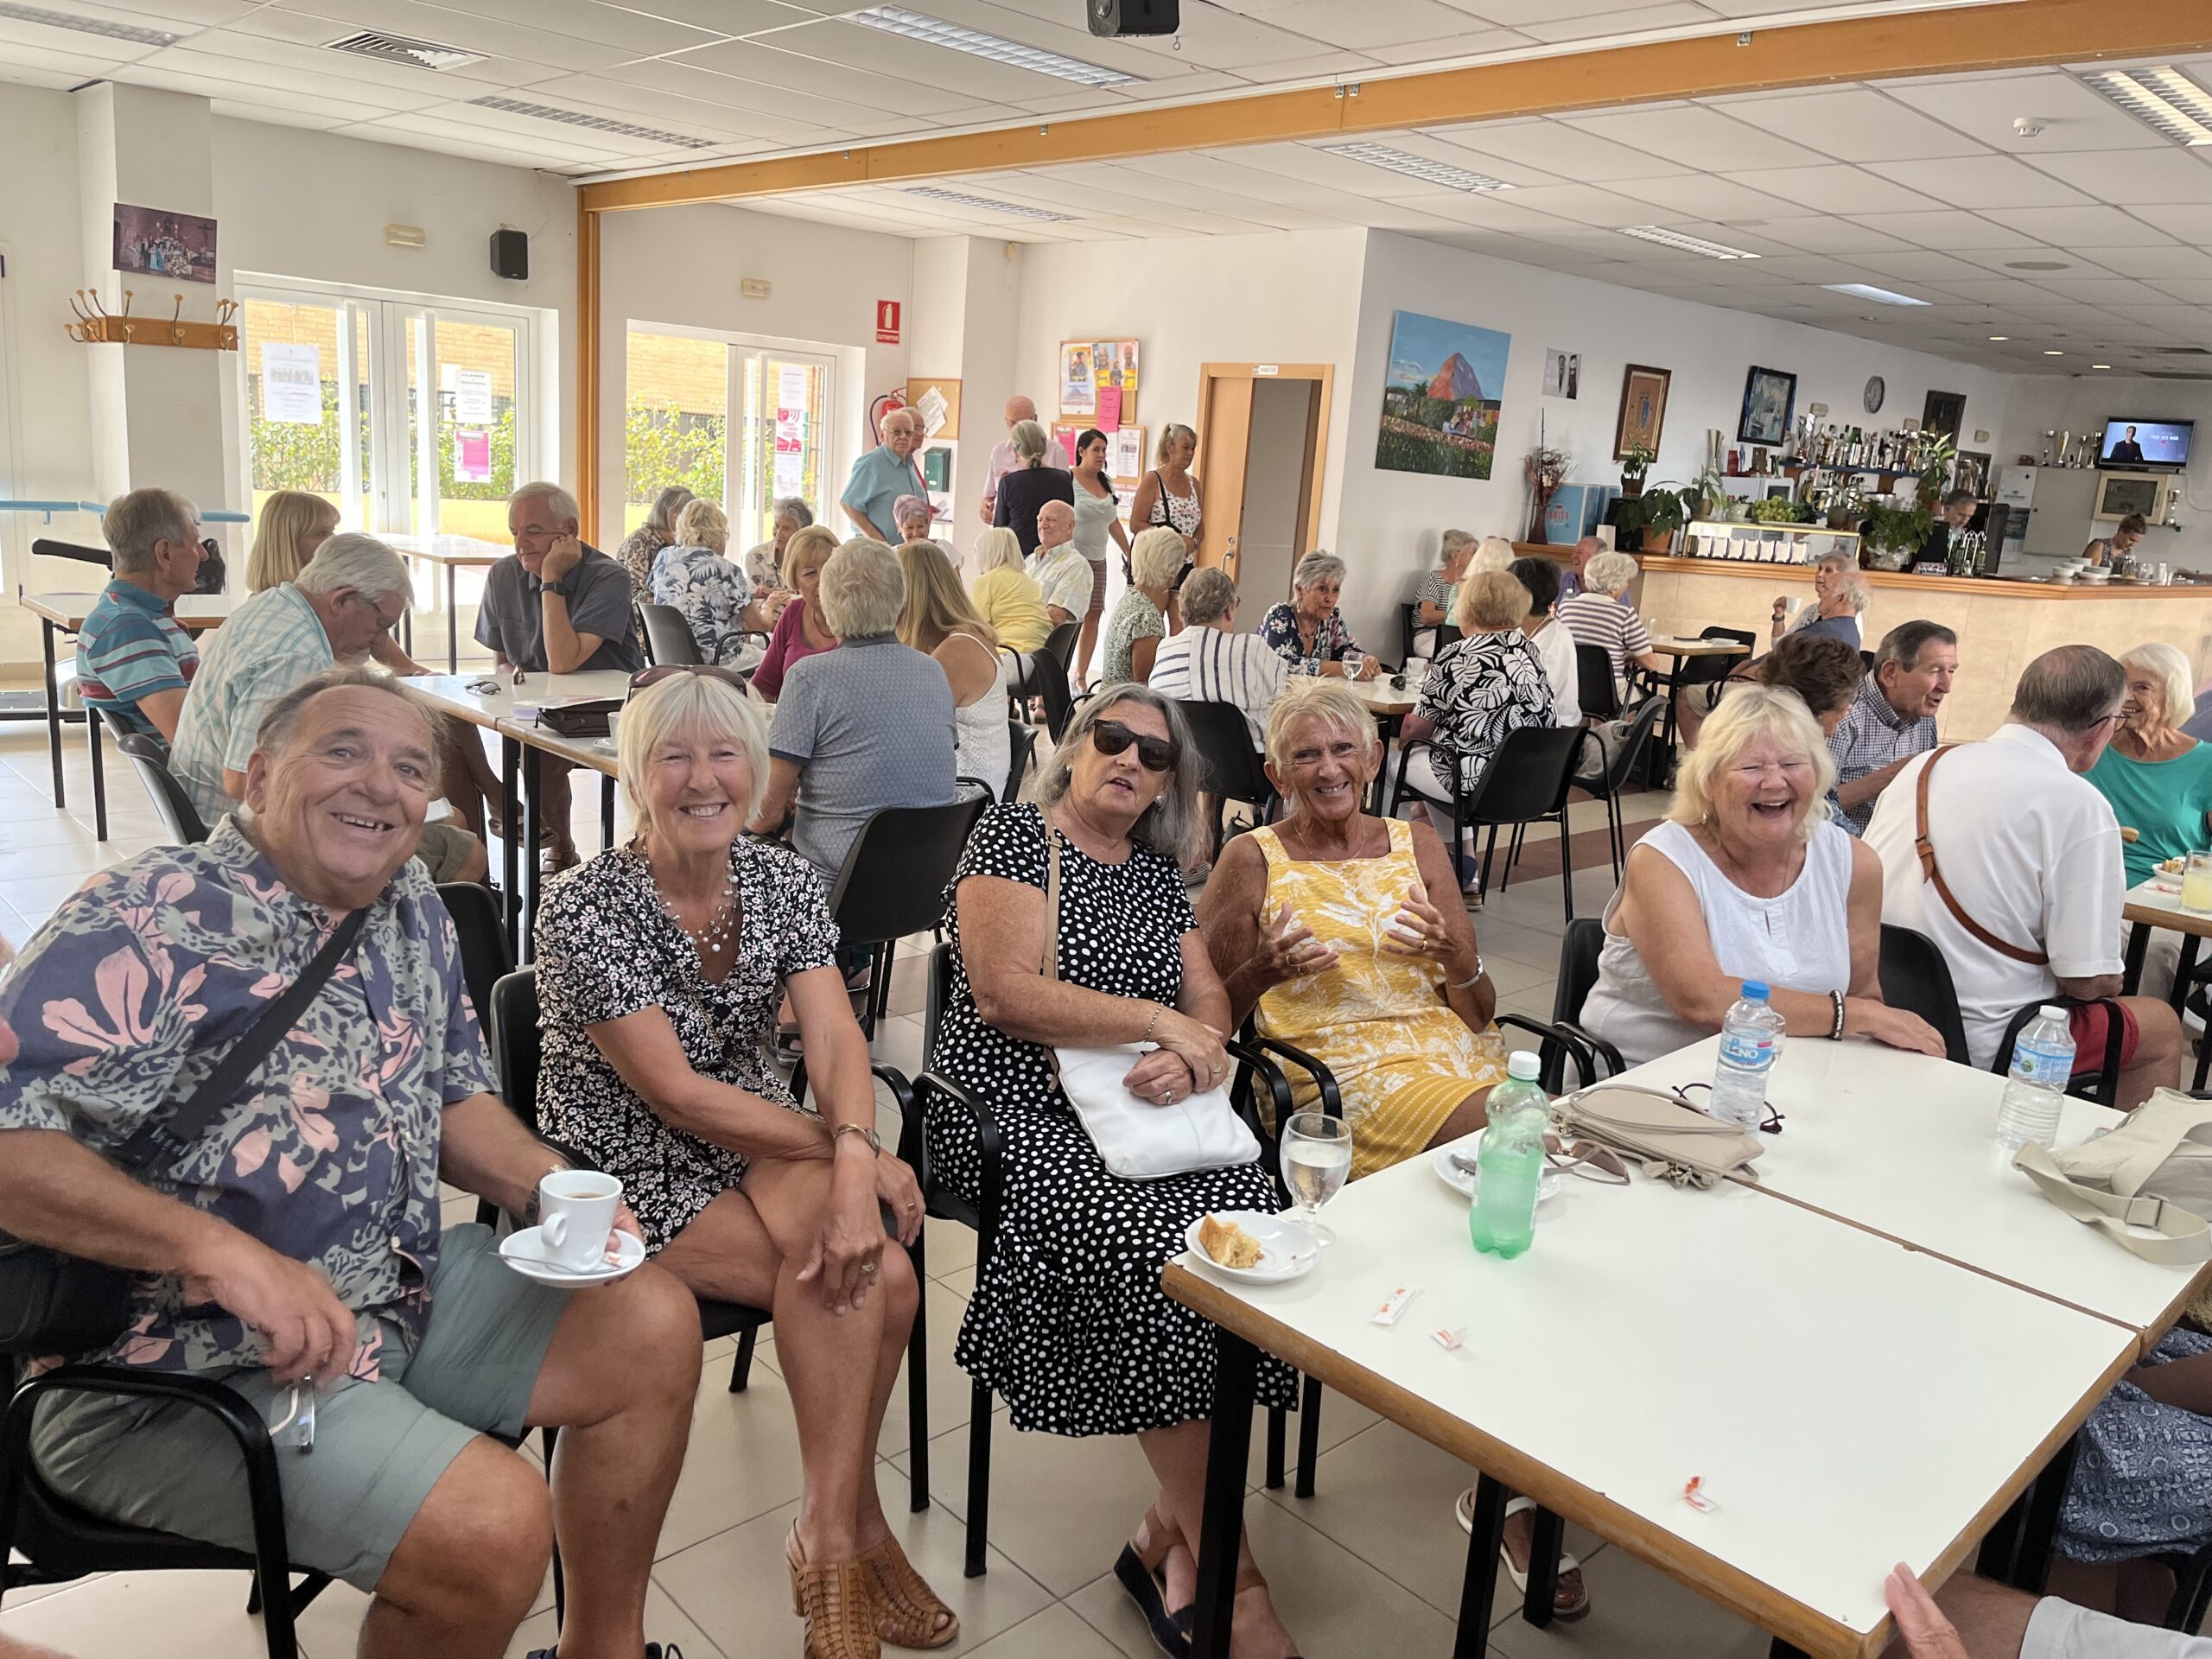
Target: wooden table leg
<point>1478,1590</point>
<point>1236,1368</point>
<point>2139,948</point>
<point>53,711</point>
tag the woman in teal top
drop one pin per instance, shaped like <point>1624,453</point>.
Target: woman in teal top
<point>2157,777</point>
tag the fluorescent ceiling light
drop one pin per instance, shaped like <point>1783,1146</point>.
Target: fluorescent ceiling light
<point>592,123</point>
<point>2053,353</point>
<point>1997,337</point>
<point>1667,238</point>
<point>132,32</point>
<point>1418,167</point>
<point>1866,291</point>
<point>1020,210</point>
<point>897,20</point>
<point>2100,366</point>
<point>2162,97</point>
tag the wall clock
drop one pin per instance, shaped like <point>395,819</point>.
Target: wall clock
<point>1877,390</point>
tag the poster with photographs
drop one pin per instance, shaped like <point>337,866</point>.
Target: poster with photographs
<point>1089,367</point>
<point>1563,374</point>
<point>176,247</point>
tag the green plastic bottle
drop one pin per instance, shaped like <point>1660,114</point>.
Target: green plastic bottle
<point>1504,1220</point>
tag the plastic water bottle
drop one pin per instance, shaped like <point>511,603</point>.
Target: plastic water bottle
<point>1511,1159</point>
<point>2042,1063</point>
<point>1750,1041</point>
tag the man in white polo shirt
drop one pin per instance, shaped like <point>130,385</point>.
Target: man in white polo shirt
<point>2029,854</point>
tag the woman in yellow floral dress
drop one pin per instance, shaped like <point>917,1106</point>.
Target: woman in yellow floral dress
<point>1324,923</point>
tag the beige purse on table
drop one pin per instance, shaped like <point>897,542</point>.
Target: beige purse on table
<point>1660,1131</point>
<point>2154,1170</point>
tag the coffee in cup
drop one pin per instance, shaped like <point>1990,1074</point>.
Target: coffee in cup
<point>575,1217</point>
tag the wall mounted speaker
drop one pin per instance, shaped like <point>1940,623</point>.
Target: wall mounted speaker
<point>1134,17</point>
<point>511,255</point>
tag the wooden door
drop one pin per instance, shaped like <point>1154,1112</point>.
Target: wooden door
<point>1224,429</point>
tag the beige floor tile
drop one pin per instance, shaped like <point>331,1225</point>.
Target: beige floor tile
<point>961,1282</point>
<point>1336,1605</point>
<point>196,1615</point>
<point>1341,1418</point>
<point>39,897</point>
<point>664,1622</point>
<point>947,1247</point>
<point>1531,946</point>
<point>1535,1002</point>
<point>44,828</point>
<point>23,1595</point>
<point>898,1042</point>
<point>736,1588</point>
<point>1056,1633</point>
<point>743,1460</point>
<point>1510,975</point>
<point>948,1383</point>
<point>1636,1613</point>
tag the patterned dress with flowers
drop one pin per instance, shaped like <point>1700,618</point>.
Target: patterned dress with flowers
<point>130,995</point>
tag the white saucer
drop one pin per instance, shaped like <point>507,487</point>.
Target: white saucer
<point>525,1252</point>
<point>1287,1250</point>
<point>1463,1182</point>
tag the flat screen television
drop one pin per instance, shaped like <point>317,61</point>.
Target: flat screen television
<point>2152,445</point>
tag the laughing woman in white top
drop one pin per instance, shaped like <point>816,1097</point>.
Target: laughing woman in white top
<point>1748,879</point>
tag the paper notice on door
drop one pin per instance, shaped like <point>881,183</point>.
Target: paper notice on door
<point>471,397</point>
<point>472,456</point>
<point>291,384</point>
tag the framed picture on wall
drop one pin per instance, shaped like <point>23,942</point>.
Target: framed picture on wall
<point>1944,412</point>
<point>1643,409</point>
<point>1770,400</point>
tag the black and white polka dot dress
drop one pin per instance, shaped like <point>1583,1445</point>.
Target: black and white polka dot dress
<point>1068,1323</point>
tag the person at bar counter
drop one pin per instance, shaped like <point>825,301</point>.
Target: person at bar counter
<point>1892,718</point>
<point>2125,534</point>
<point>1958,511</point>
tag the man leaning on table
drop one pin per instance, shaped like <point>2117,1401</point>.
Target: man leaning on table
<point>134,657</point>
<point>557,605</point>
<point>346,599</point>
<point>1892,718</point>
<point>2029,854</point>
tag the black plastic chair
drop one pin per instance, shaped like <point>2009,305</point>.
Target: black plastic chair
<point>668,638</point>
<point>1021,743</point>
<point>1525,783</point>
<point>515,1052</point>
<point>892,885</point>
<point>1594,685</point>
<point>59,1541</point>
<point>1408,627</point>
<point>47,547</point>
<point>1608,780</point>
<point>1230,766</point>
<point>1578,951</point>
<point>1045,678</point>
<point>1915,977</point>
<point>1061,641</point>
<point>149,759</point>
<point>2101,1085</point>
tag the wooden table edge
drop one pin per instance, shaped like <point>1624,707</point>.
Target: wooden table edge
<point>531,736</point>
<point>69,621</point>
<point>2174,921</point>
<point>1702,1573</point>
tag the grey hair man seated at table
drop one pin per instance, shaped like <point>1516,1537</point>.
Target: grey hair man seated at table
<point>346,599</point>
<point>296,1245</point>
<point>134,659</point>
<point>559,606</point>
<point>1892,718</point>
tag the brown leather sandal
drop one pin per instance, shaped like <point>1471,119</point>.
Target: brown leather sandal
<point>908,1613</point>
<point>837,1601</point>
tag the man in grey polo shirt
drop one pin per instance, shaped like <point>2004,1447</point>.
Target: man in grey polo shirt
<point>864,727</point>
<point>1892,718</point>
<point>558,607</point>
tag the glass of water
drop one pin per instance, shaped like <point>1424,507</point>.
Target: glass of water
<point>1316,1159</point>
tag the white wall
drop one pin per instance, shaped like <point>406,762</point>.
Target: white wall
<point>683,266</point>
<point>1389,523</point>
<point>2078,404</point>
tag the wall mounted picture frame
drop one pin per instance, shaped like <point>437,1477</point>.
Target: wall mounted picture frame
<point>1563,375</point>
<point>1944,412</point>
<point>1441,396</point>
<point>1770,402</point>
<point>178,247</point>
<point>1644,409</point>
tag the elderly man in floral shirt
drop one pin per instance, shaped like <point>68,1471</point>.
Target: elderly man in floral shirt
<point>298,1242</point>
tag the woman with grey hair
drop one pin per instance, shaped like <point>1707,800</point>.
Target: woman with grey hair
<point>1140,621</point>
<point>2159,779</point>
<point>1308,630</point>
<point>866,726</point>
<point>643,545</point>
<point>1839,599</point>
<point>1030,486</point>
<point>1433,599</point>
<point>1210,662</point>
<point>764,564</point>
<point>1067,1321</point>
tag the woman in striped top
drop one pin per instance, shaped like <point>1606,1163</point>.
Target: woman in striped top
<point>1209,662</point>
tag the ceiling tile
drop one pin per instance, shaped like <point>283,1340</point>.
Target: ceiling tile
<point>2157,263</point>
<point>853,47</point>
<point>1564,151</point>
<point>1623,23</point>
<point>1585,204</point>
<point>1696,137</point>
<point>806,75</point>
<point>1476,41</point>
<point>1921,265</point>
<point>1985,106</point>
<point>725,17</point>
<point>1515,13</point>
<point>1812,233</point>
<point>2140,178</point>
<point>2197,290</point>
<point>1982,182</point>
<point>1709,198</point>
<point>1948,232</point>
<point>2190,225</point>
<point>1833,189</point>
<point>636,32</point>
<point>2094,226</point>
<point>317,22</point>
<point>1369,23</point>
<point>1853,125</point>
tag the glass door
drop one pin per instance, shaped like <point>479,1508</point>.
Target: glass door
<point>307,403</point>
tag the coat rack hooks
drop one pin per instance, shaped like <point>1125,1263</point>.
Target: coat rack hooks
<point>95,325</point>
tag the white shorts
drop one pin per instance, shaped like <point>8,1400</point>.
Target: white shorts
<point>2059,1630</point>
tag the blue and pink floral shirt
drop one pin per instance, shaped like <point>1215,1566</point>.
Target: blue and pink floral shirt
<point>125,1000</point>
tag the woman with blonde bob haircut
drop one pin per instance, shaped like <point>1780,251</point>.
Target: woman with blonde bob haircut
<point>1005,595</point>
<point>2159,779</point>
<point>1748,879</point>
<point>661,964</point>
<point>940,622</point>
<point>1140,621</point>
<point>801,631</point>
<point>712,592</point>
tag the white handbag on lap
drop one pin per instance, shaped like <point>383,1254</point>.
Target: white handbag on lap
<point>1137,1139</point>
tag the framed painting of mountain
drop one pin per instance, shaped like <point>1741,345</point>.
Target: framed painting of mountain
<point>1441,396</point>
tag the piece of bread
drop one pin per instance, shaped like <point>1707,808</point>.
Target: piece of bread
<point>1228,1244</point>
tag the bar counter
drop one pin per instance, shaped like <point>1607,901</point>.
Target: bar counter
<point>2001,625</point>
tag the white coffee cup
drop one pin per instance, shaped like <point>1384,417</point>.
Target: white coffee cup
<point>615,726</point>
<point>576,1216</point>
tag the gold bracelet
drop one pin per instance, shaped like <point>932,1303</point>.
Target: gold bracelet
<point>1158,1008</point>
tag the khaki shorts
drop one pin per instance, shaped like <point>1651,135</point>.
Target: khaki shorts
<point>2059,1630</point>
<point>379,1447</point>
<point>445,849</point>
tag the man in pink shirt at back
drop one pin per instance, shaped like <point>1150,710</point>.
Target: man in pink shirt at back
<point>1003,459</point>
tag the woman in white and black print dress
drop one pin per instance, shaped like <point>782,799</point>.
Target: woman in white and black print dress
<point>1067,1321</point>
<point>1169,495</point>
<point>660,967</point>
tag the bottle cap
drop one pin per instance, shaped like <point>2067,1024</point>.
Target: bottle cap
<point>1756,990</point>
<point>2052,1011</point>
<point>1523,1064</point>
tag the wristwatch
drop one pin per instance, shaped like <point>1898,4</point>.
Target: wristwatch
<point>875,1140</point>
<point>559,587</point>
<point>1474,978</point>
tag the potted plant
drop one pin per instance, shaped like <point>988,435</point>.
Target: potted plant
<point>1634,466</point>
<point>1895,534</point>
<point>1654,515</point>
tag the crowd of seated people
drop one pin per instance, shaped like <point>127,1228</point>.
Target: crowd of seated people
<point>669,965</point>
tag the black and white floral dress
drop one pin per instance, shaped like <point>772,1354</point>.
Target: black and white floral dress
<point>607,947</point>
<point>1068,1322</point>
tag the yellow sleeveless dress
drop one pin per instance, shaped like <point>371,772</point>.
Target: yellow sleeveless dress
<point>1402,1059</point>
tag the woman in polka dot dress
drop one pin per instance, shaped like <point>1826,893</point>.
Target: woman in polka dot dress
<point>1068,1322</point>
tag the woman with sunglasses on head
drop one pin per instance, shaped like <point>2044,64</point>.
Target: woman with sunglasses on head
<point>1749,878</point>
<point>1068,1322</point>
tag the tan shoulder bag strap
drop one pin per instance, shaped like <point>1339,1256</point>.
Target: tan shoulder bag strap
<point>2183,1238</point>
<point>1926,848</point>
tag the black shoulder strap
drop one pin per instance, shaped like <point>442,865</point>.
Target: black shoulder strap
<point>185,1125</point>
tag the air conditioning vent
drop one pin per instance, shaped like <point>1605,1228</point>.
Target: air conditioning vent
<point>397,48</point>
<point>2171,374</point>
<point>595,122</point>
<point>131,32</point>
<point>2178,351</point>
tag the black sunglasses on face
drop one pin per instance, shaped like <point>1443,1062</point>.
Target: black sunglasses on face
<point>1111,737</point>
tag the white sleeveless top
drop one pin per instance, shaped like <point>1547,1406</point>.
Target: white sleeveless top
<point>1798,941</point>
<point>982,746</point>
<point>1094,523</point>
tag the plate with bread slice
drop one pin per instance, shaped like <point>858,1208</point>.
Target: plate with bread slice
<point>1254,1246</point>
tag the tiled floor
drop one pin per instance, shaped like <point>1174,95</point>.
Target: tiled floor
<point>1370,1564</point>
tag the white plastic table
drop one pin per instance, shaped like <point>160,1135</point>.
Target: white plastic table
<point>2150,905</point>
<point>1818,1378</point>
<point>1905,1146</point>
<point>456,553</point>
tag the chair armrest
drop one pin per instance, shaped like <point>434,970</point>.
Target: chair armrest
<point>1555,1044</point>
<point>990,1146</point>
<point>1254,1067</point>
<point>1323,1079</point>
<point>1598,1048</point>
<point>228,1407</point>
<point>902,1093</point>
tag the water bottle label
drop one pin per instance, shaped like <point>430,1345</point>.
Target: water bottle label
<point>2048,1068</point>
<point>1752,1051</point>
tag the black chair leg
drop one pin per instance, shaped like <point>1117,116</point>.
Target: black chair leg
<point>1278,1433</point>
<point>1490,853</point>
<point>740,1370</point>
<point>1565,865</point>
<point>1309,1437</point>
<point>253,1595</point>
<point>918,1391</point>
<point>979,1480</point>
